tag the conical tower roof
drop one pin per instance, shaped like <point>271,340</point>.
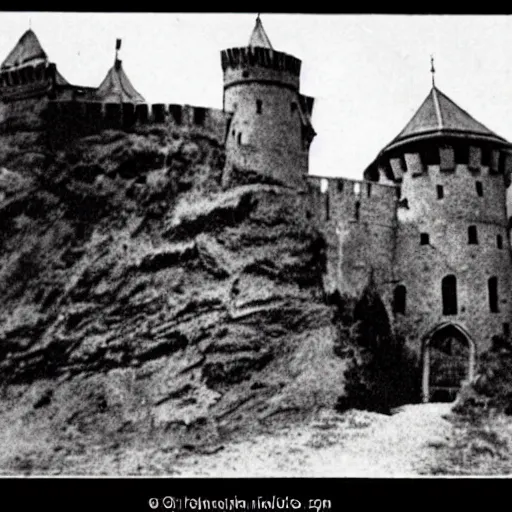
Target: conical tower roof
<point>116,87</point>
<point>438,115</point>
<point>27,49</point>
<point>259,37</point>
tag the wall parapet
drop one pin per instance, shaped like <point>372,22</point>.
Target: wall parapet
<point>27,81</point>
<point>474,157</point>
<point>83,117</point>
<point>263,57</point>
<point>351,200</point>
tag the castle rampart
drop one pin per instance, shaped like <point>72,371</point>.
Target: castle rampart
<point>76,118</point>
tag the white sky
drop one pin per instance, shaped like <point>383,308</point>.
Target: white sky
<point>368,73</point>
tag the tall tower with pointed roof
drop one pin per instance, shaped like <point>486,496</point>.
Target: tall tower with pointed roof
<point>451,288</point>
<point>271,130</point>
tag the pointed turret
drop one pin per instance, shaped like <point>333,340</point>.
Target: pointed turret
<point>259,38</point>
<point>437,116</point>
<point>27,50</point>
<point>116,86</point>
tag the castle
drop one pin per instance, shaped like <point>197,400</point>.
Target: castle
<point>427,226</point>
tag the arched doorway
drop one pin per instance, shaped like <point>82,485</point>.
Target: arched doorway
<point>448,360</point>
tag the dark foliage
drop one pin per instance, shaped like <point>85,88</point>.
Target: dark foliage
<point>381,374</point>
<point>491,390</point>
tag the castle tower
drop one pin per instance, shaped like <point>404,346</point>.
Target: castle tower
<point>452,288</point>
<point>271,129</point>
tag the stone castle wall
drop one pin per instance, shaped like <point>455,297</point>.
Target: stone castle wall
<point>358,219</point>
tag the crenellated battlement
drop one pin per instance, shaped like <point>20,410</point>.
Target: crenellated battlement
<point>349,200</point>
<point>263,57</point>
<point>486,159</point>
<point>27,81</point>
<point>83,117</point>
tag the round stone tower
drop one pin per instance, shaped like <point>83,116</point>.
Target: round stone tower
<point>452,284</point>
<point>271,129</point>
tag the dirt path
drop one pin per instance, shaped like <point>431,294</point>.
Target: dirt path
<point>355,444</point>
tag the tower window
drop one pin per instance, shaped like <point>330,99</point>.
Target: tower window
<point>472,235</point>
<point>493,294</point>
<point>259,105</point>
<point>327,206</point>
<point>368,190</point>
<point>479,188</point>
<point>424,239</point>
<point>399,299</point>
<point>239,138</point>
<point>339,185</point>
<point>499,241</point>
<point>440,191</point>
<point>449,293</point>
<point>293,107</point>
<point>358,207</point>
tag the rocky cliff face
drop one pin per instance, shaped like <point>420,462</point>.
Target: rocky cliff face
<point>141,298</point>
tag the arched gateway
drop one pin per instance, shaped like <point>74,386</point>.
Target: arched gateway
<point>448,360</point>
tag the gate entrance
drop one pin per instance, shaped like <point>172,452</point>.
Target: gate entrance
<point>448,360</point>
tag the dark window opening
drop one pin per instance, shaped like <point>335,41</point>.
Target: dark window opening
<point>339,186</point>
<point>479,188</point>
<point>461,154</point>
<point>493,294</point>
<point>424,239</point>
<point>430,156</point>
<point>293,107</point>
<point>486,157</point>
<point>327,206</point>
<point>399,299</point>
<point>239,138</point>
<point>449,293</point>
<point>233,133</point>
<point>501,162</point>
<point>440,191</point>
<point>403,164</point>
<point>259,105</point>
<point>472,235</point>
<point>368,189</point>
<point>499,242</point>
<point>358,207</point>
<point>199,115</point>
<point>245,73</point>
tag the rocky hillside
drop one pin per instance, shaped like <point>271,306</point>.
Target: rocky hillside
<point>146,295</point>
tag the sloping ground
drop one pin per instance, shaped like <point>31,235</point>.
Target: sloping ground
<point>142,303</point>
<point>352,444</point>
<point>414,441</point>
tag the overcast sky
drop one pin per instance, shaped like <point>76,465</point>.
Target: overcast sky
<point>368,73</point>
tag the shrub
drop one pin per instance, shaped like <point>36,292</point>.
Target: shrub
<point>381,373</point>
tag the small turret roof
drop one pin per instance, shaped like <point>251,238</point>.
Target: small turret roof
<point>27,49</point>
<point>259,37</point>
<point>116,87</point>
<point>439,115</point>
